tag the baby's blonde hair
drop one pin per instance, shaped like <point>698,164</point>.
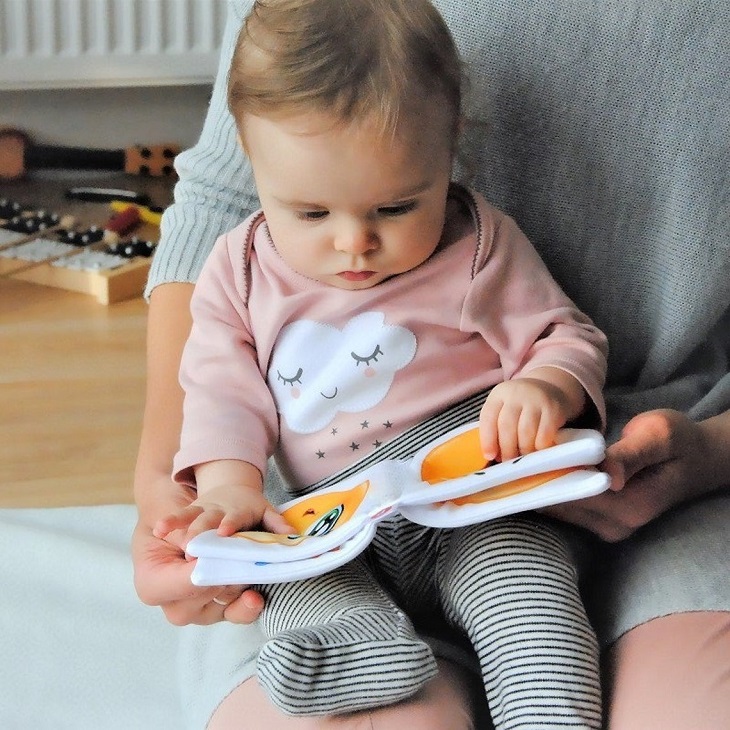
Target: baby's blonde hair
<point>350,58</point>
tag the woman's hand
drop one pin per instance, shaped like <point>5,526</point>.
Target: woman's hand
<point>661,460</point>
<point>162,573</point>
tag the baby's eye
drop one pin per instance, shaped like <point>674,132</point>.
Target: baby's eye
<point>372,357</point>
<point>312,215</point>
<point>396,210</point>
<point>290,381</point>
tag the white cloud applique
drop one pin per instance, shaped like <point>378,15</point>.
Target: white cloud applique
<point>318,370</point>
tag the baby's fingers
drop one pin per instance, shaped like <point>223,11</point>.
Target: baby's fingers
<point>254,519</point>
<point>176,521</point>
<point>528,429</point>
<point>273,521</point>
<point>235,521</point>
<point>508,431</point>
<point>209,519</point>
<point>488,432</point>
<point>551,420</point>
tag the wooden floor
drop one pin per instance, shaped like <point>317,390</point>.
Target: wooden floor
<point>71,374</point>
<point>72,393</point>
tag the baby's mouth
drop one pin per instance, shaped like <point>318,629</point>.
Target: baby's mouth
<point>356,275</point>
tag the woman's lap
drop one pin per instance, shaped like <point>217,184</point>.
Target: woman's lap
<point>676,564</point>
<point>671,673</point>
<point>662,608</point>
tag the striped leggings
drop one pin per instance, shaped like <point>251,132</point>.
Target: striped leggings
<point>344,641</point>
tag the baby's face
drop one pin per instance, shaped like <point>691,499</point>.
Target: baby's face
<point>346,205</point>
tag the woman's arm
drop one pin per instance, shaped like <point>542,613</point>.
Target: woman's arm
<point>168,326</point>
<point>162,573</point>
<point>215,190</point>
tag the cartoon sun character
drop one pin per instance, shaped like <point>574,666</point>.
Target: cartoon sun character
<point>321,513</point>
<point>318,514</point>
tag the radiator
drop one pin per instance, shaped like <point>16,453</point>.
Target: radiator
<point>87,43</point>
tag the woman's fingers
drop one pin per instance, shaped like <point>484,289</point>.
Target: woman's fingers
<point>246,608</point>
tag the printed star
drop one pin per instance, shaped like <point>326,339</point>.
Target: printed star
<point>388,424</point>
<point>320,454</point>
<point>377,443</point>
<point>365,424</point>
<point>354,446</point>
<point>334,432</point>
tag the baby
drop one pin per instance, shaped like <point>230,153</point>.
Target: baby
<point>371,305</point>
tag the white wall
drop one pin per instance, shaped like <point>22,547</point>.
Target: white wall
<point>107,118</point>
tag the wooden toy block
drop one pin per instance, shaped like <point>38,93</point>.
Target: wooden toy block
<point>107,285</point>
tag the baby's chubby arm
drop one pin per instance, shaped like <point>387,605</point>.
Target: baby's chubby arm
<point>523,415</point>
<point>230,498</point>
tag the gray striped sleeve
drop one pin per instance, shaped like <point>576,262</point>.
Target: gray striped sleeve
<point>215,190</point>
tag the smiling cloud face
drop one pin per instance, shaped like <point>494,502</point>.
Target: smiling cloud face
<point>317,370</point>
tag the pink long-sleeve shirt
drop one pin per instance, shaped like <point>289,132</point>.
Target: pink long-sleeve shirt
<point>280,364</point>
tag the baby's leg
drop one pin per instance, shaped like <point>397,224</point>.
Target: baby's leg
<point>339,644</point>
<point>511,585</point>
<point>447,702</point>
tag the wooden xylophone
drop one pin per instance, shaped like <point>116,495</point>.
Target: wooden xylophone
<point>52,250</point>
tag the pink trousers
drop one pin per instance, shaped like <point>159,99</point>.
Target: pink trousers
<point>671,673</point>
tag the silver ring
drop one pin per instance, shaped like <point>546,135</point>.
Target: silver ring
<point>219,602</point>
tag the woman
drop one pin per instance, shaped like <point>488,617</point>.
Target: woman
<point>607,141</point>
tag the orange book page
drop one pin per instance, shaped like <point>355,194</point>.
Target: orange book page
<point>509,489</point>
<point>461,456</point>
<point>454,458</point>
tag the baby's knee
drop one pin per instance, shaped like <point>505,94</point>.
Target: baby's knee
<point>506,541</point>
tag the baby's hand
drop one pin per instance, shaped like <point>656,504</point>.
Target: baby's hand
<point>227,509</point>
<point>521,416</point>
